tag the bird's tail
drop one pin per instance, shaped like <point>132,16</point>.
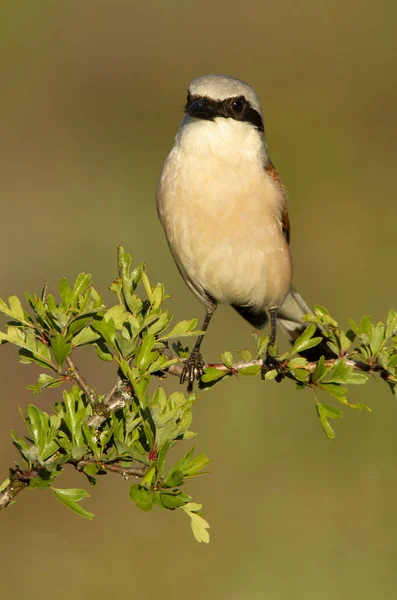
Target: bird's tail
<point>290,319</point>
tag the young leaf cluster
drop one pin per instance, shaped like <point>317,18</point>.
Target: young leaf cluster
<point>364,349</point>
<point>129,430</point>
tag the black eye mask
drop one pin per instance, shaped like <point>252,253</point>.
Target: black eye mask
<point>237,108</point>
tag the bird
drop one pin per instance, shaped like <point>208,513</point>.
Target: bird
<point>224,211</point>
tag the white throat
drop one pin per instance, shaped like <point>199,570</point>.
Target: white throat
<point>225,139</point>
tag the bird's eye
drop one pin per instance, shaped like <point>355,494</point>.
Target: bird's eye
<point>238,104</point>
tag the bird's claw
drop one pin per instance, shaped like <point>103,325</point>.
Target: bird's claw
<point>270,363</point>
<point>193,369</point>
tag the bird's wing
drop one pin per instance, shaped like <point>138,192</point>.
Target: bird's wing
<point>285,224</point>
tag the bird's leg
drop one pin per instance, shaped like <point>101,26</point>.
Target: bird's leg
<point>270,361</point>
<point>194,366</point>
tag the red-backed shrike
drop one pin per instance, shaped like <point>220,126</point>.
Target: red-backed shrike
<point>225,214</point>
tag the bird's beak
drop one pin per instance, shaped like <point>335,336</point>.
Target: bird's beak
<point>201,109</point>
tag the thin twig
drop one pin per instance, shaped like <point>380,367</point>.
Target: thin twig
<point>82,382</point>
<point>236,367</point>
<point>115,467</point>
<point>113,391</point>
<point>18,481</point>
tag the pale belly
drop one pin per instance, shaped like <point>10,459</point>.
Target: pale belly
<point>227,240</point>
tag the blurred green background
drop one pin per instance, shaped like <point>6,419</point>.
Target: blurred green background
<point>92,93</point>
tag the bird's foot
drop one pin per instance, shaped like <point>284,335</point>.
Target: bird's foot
<point>193,369</point>
<point>271,362</point>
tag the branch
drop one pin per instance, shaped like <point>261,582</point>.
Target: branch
<point>113,400</point>
<point>103,409</point>
<point>236,367</point>
<point>115,467</point>
<point>18,481</point>
<point>113,391</point>
<point>82,383</point>
<point>15,485</point>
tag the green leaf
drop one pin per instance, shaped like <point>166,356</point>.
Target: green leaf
<point>175,477</point>
<point>118,314</point>
<point>79,451</point>
<point>27,356</point>
<point>377,338</point>
<point>83,280</point>
<point>107,329</point>
<point>44,381</point>
<point>339,372</point>
<point>199,525</point>
<point>162,363</point>
<point>4,308</point>
<point>342,373</point>
<point>212,374</point>
<point>346,340</point>
<point>335,390</point>
<point>329,432</point>
<point>182,329</point>
<point>301,375</point>
<point>251,370</point>
<point>61,348</point>
<point>66,293</point>
<point>391,324</point>
<point>5,484</point>
<point>261,344</point>
<point>142,497</point>
<point>392,361</point>
<point>144,356</point>
<point>324,315</point>
<point>157,295</point>
<point>365,329</point>
<point>159,324</point>
<point>246,355</point>
<point>146,284</point>
<point>172,499</point>
<point>320,370</point>
<point>297,362</point>
<point>150,477</point>
<point>227,359</point>
<point>91,469</point>
<point>356,377</point>
<point>35,425</point>
<point>75,415</point>
<point>58,316</point>
<point>16,308</point>
<point>70,498</point>
<point>78,323</point>
<point>85,336</point>
<point>272,374</point>
<point>353,326</point>
<point>129,280</point>
<point>42,482</point>
<point>103,352</point>
<point>329,411</point>
<point>306,340</point>
<point>392,386</point>
<point>162,456</point>
<point>196,465</point>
